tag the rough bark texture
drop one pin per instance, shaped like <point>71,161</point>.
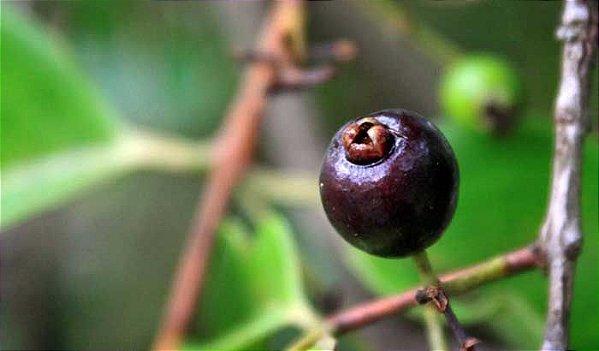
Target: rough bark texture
<point>561,235</point>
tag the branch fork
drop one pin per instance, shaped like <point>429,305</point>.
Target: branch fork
<point>290,71</point>
<point>434,294</point>
<point>467,279</point>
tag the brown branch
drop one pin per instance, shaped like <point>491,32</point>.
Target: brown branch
<point>434,296</point>
<point>232,156</point>
<point>560,235</point>
<point>454,283</point>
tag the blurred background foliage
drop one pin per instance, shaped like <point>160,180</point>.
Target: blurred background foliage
<point>91,91</point>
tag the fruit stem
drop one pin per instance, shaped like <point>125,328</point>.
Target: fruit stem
<point>434,330</point>
<point>435,298</point>
<point>425,269</point>
<point>305,342</point>
<point>434,327</point>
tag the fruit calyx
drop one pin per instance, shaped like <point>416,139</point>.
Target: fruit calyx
<point>499,118</point>
<point>367,141</point>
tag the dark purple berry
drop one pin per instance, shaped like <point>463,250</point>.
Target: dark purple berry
<point>389,183</point>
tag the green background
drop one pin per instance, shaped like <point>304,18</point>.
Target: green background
<point>91,237</point>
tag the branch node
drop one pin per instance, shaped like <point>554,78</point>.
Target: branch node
<point>342,50</point>
<point>253,56</point>
<point>434,294</point>
<point>290,79</point>
<point>422,297</point>
<point>469,278</point>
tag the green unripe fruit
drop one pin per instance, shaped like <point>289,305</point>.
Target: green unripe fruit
<point>482,92</point>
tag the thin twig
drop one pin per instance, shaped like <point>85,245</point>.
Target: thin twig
<point>560,235</point>
<point>232,156</point>
<point>521,260</point>
<point>434,324</point>
<point>464,280</point>
<point>434,295</point>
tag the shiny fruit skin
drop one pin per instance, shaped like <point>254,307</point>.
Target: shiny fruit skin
<point>400,204</point>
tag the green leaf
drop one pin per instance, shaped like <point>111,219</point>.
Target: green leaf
<point>228,295</point>
<point>174,73</point>
<point>47,105</point>
<point>253,288</point>
<point>502,201</point>
<point>34,186</point>
<point>247,334</point>
<point>275,264</point>
<point>58,135</point>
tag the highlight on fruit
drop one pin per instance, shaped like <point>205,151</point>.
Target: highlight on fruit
<point>389,183</point>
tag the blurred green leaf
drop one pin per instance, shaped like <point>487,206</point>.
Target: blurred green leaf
<point>47,104</point>
<point>58,134</point>
<point>275,266</point>
<point>248,334</point>
<point>163,65</point>
<point>503,190</point>
<point>515,306</point>
<point>254,287</point>
<point>227,282</point>
<point>34,186</point>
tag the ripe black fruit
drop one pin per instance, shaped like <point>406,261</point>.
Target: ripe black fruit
<point>389,183</point>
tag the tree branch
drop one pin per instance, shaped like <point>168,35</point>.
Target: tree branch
<point>454,283</point>
<point>560,234</point>
<point>232,156</point>
<point>461,281</point>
